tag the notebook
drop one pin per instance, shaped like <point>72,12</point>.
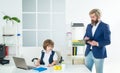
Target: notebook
<point>40,69</point>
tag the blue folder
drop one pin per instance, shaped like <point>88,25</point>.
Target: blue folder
<point>40,69</point>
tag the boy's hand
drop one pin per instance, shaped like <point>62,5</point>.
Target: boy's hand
<point>37,63</point>
<point>49,65</point>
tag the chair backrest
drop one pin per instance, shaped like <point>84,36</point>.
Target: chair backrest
<point>2,51</point>
<point>59,57</point>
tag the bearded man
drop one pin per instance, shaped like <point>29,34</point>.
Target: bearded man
<point>97,36</point>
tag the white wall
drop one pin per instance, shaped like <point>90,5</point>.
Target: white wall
<point>78,11</point>
<point>11,8</point>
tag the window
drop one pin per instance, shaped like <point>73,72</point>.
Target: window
<point>43,19</point>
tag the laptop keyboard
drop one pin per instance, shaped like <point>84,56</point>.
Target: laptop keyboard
<point>30,67</point>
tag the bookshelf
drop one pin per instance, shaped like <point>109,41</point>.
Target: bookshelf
<point>77,43</point>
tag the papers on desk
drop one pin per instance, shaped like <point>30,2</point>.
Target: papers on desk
<point>40,69</point>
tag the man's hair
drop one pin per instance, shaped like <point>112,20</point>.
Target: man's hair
<point>96,11</point>
<point>48,42</point>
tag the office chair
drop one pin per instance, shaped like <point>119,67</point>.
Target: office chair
<point>60,61</point>
<point>2,55</point>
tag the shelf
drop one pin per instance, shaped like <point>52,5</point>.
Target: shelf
<point>76,56</point>
<point>8,34</point>
<point>79,59</point>
<point>10,44</point>
<point>78,43</point>
<point>10,39</point>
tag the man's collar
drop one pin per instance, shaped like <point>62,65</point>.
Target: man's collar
<point>97,23</point>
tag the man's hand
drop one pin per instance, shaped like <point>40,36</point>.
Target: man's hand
<point>86,38</point>
<point>93,43</point>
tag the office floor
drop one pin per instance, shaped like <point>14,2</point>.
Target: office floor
<point>110,68</point>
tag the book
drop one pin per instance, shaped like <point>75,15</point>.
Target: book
<point>74,51</point>
<point>77,50</point>
<point>78,43</point>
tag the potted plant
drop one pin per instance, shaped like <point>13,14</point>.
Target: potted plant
<point>12,19</point>
<point>9,28</point>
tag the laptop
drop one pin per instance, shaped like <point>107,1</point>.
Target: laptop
<point>20,63</point>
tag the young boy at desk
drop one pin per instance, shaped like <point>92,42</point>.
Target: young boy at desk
<point>48,57</point>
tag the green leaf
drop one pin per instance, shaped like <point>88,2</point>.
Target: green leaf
<point>7,17</point>
<point>15,19</point>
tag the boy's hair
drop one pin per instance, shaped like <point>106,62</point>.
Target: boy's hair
<point>48,42</point>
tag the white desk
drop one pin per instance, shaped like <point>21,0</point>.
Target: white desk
<point>10,68</point>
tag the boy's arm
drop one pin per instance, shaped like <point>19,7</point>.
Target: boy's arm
<point>52,64</point>
<point>37,62</point>
<point>55,58</point>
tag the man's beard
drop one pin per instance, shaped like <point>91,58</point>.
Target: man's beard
<point>94,22</point>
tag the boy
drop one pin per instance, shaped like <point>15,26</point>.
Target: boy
<point>48,57</point>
